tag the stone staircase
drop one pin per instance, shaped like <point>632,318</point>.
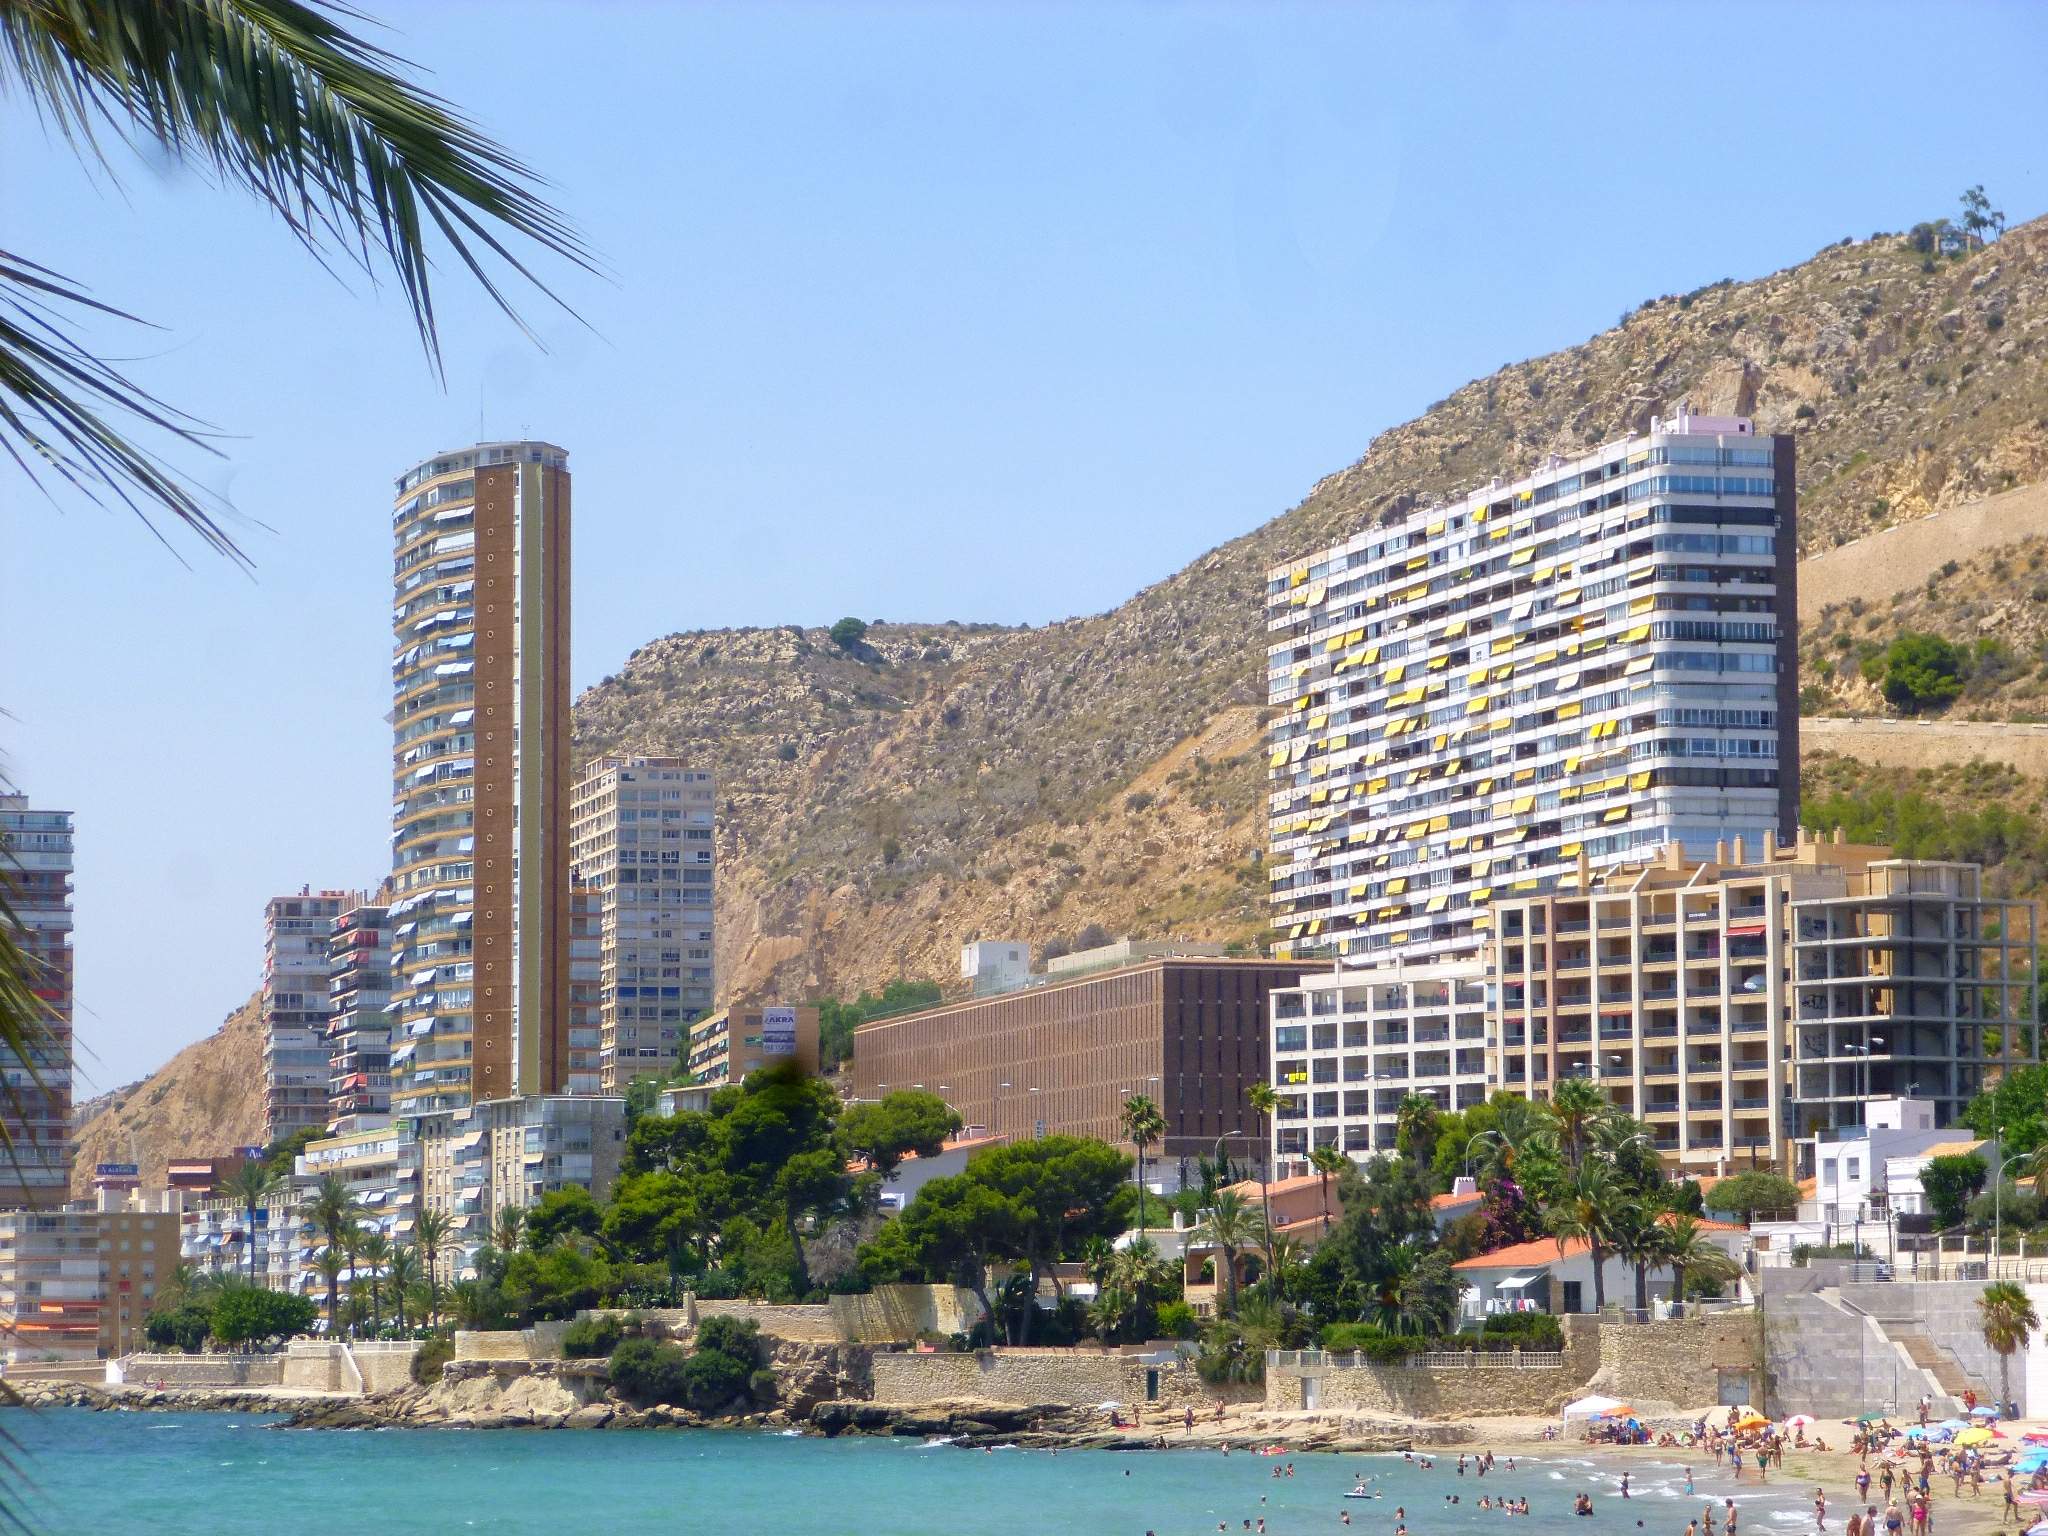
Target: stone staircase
<point>1936,1361</point>
<point>1945,1377</point>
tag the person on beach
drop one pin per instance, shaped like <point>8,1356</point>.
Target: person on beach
<point>1187,1422</point>
<point>1624,1485</point>
<point>1728,1521</point>
<point>1820,1509</point>
<point>1343,1517</point>
<point>1707,1518</point>
<point>1884,1481</point>
<point>1735,1461</point>
<point>1894,1522</point>
<point>1863,1480</point>
<point>1855,1527</point>
<point>1688,1482</point>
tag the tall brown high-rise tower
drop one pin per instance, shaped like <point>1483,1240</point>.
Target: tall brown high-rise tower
<point>480,825</point>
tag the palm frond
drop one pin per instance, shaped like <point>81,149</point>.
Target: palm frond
<point>281,99</point>
<point>58,405</point>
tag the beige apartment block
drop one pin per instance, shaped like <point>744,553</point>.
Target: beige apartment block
<point>1737,1004</point>
<point>642,832</point>
<point>725,1046</point>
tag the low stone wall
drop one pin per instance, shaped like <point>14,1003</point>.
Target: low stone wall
<point>310,1366</point>
<point>1442,1393</point>
<point>800,1325</point>
<point>1678,1361</point>
<point>898,1314</point>
<point>198,1370</point>
<point>505,1344</point>
<point>1028,1377</point>
<point>386,1366</point>
<point>1421,1394</point>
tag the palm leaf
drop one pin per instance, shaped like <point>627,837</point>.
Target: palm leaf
<point>281,99</point>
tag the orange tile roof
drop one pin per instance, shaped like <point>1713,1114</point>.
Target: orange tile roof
<point>1544,1250</point>
<point>1448,1202</point>
<point>1249,1189</point>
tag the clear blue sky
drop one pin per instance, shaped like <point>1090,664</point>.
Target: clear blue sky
<point>919,312</point>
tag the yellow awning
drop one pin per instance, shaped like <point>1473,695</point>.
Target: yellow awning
<point>1522,557</point>
<point>1437,903</point>
<point>1397,885</point>
<point>1616,813</point>
<point>1523,805</point>
<point>1640,632</point>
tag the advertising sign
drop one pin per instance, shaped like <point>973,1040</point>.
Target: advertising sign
<point>778,1031</point>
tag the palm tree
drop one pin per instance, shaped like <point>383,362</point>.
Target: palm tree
<point>1265,1103</point>
<point>1638,1241</point>
<point>1587,1213</point>
<point>511,1224</point>
<point>1577,1102</point>
<point>1689,1251</point>
<point>332,1209</point>
<point>1415,1127</point>
<point>2009,1321</point>
<point>374,1249</point>
<point>1143,1125</point>
<point>430,1231</point>
<point>2036,1170</point>
<point>251,1184</point>
<point>330,1264</point>
<point>1327,1161</point>
<point>401,1274</point>
<point>1232,1226</point>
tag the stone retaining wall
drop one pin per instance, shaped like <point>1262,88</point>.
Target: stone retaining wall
<point>1679,1361</point>
<point>310,1366</point>
<point>1028,1377</point>
<point>898,1314</point>
<point>198,1370</point>
<point>385,1366</point>
<point>801,1325</point>
<point>493,1344</point>
<point>1447,1392</point>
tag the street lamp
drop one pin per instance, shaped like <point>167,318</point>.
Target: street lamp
<point>1998,1202</point>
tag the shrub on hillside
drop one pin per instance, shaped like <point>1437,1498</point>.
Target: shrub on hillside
<point>589,1337</point>
<point>433,1354</point>
<point>645,1371</point>
<point>1922,672</point>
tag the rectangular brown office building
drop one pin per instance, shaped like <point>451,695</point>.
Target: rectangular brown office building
<point>1059,1058</point>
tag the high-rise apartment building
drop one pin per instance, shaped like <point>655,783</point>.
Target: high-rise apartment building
<point>35,868</point>
<point>296,1009</point>
<point>359,1028</point>
<point>1594,660</point>
<point>480,777</point>
<point>642,829</point>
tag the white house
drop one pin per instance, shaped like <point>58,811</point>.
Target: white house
<point>1541,1276</point>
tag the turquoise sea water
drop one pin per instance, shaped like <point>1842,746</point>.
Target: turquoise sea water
<point>224,1475</point>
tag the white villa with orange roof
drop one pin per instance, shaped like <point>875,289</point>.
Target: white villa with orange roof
<point>1543,1275</point>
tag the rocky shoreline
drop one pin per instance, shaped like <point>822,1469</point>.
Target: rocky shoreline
<point>572,1395</point>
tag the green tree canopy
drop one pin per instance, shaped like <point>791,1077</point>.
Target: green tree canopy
<point>848,633</point>
<point>1744,1194</point>
<point>251,1314</point>
<point>561,1213</point>
<point>885,1133</point>
<point>1949,1182</point>
<point>2015,1112</point>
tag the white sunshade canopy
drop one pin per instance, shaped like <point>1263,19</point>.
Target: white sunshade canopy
<point>1522,1282</point>
<point>1585,1407</point>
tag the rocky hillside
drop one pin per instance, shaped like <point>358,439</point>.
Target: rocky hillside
<point>947,781</point>
<point>206,1099</point>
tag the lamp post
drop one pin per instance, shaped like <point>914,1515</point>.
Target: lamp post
<point>1998,1200</point>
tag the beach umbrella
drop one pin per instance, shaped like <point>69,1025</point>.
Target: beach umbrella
<point>1799,1421</point>
<point>1984,1411</point>
<point>1973,1437</point>
<point>1872,1417</point>
<point>1952,1425</point>
<point>2032,1459</point>
<point>2038,1528</point>
<point>1751,1420</point>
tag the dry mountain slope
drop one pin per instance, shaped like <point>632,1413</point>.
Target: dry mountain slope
<point>954,781</point>
<point>206,1099</point>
